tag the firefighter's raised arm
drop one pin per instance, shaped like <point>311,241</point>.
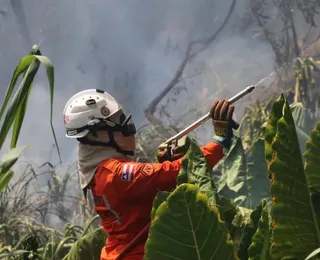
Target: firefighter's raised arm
<point>136,179</point>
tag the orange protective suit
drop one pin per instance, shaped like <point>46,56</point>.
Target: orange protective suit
<point>123,193</point>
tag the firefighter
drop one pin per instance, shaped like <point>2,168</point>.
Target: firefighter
<point>124,190</point>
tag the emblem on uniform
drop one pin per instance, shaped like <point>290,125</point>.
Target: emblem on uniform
<point>127,172</point>
<point>147,169</point>
<point>126,176</point>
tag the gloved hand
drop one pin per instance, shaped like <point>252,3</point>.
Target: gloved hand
<point>164,154</point>
<point>221,113</point>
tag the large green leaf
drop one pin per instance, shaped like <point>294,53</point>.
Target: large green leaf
<point>250,230</point>
<point>233,180</point>
<point>312,168</point>
<point>260,246</point>
<point>187,227</point>
<point>257,174</point>
<point>244,174</point>
<point>239,222</point>
<point>301,117</point>
<point>195,170</point>
<point>295,230</point>
<point>88,247</point>
<point>271,129</point>
<point>312,155</point>
<point>161,197</point>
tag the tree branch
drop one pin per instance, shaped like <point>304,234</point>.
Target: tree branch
<point>189,55</point>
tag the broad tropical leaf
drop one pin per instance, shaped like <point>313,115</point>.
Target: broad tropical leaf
<point>250,230</point>
<point>301,117</point>
<point>271,129</point>
<point>245,174</point>
<point>260,246</point>
<point>187,227</point>
<point>295,230</point>
<point>312,166</point>
<point>257,174</point>
<point>161,197</point>
<point>233,172</point>
<point>195,171</point>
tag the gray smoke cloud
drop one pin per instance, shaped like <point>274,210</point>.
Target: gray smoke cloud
<point>129,48</point>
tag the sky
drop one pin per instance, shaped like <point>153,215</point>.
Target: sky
<point>97,43</point>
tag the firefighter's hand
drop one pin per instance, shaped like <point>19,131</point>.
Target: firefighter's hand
<point>164,154</point>
<point>221,113</point>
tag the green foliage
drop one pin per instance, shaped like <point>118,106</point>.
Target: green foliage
<point>244,174</point>
<point>75,242</point>
<point>286,230</point>
<point>88,247</point>
<point>28,67</point>
<point>194,170</point>
<point>259,248</point>
<point>305,84</point>
<point>185,226</point>
<point>289,190</point>
<point>250,230</point>
<point>312,168</point>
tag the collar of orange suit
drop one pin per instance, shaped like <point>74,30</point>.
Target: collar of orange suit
<point>89,157</point>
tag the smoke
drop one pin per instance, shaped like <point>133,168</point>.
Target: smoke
<point>129,48</point>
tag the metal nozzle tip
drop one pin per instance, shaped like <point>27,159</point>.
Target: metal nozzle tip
<point>250,88</point>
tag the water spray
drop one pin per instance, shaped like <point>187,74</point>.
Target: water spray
<point>203,119</point>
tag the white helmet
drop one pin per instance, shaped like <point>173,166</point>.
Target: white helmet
<point>86,109</point>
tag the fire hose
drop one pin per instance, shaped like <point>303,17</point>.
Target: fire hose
<point>173,140</point>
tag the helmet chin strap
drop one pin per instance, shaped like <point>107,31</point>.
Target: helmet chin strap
<point>111,143</point>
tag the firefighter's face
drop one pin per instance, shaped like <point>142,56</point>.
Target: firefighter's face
<point>125,142</point>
